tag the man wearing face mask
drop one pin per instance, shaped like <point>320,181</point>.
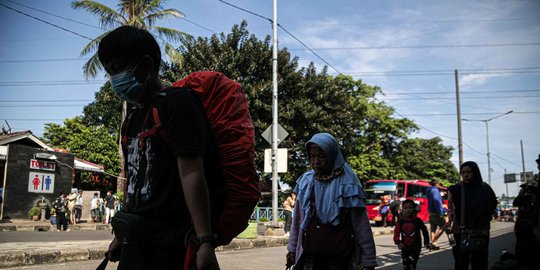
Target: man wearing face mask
<point>167,182</point>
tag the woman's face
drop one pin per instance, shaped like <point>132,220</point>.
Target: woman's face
<point>467,174</point>
<point>318,161</point>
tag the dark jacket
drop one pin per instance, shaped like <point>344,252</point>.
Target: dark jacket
<point>480,204</point>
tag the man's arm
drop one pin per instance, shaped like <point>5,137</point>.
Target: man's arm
<point>191,172</point>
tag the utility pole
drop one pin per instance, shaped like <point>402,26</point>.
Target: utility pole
<point>522,161</point>
<point>274,120</point>
<point>460,141</point>
<point>486,121</point>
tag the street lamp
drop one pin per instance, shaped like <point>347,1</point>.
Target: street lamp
<point>487,138</point>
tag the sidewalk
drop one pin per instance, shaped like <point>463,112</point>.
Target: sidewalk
<point>29,253</point>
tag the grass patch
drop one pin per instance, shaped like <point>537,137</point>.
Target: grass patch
<point>250,232</point>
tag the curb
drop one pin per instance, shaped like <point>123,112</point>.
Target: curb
<point>46,228</point>
<point>71,254</point>
<point>20,258</point>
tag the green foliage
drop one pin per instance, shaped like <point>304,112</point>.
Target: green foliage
<point>425,159</point>
<point>138,13</point>
<point>34,211</point>
<point>250,232</point>
<point>375,142</point>
<point>91,143</point>
<point>309,102</point>
<point>104,111</point>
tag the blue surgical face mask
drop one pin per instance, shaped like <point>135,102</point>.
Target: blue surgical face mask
<point>126,86</point>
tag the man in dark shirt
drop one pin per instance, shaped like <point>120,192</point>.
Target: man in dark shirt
<point>167,181</point>
<point>109,207</point>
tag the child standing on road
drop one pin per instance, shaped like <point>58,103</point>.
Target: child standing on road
<point>407,235</point>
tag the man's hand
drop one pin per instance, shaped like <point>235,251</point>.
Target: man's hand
<point>400,246</point>
<point>206,258</point>
<point>113,253</point>
<point>291,259</point>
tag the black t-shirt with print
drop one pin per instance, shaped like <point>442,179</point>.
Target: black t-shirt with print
<point>161,196</point>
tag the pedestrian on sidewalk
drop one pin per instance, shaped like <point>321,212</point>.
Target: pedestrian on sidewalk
<point>167,181</point>
<point>479,203</point>
<point>408,234</point>
<point>79,201</point>
<point>436,212</point>
<point>110,203</point>
<point>71,199</point>
<point>527,245</point>
<point>60,207</point>
<point>395,206</point>
<point>94,207</point>
<point>288,206</point>
<point>330,228</point>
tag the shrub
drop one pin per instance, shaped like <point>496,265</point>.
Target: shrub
<point>34,211</point>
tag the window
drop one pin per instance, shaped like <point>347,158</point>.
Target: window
<point>416,191</point>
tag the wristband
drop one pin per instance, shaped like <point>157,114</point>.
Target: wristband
<point>208,238</point>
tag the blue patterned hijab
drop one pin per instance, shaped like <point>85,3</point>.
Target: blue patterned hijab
<point>343,191</point>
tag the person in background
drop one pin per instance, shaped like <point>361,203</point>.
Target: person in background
<point>436,213</point>
<point>79,201</point>
<point>527,246</point>
<point>71,198</point>
<point>330,228</point>
<point>110,203</point>
<point>395,204</point>
<point>480,203</point>
<point>384,210</point>
<point>288,206</point>
<point>407,235</point>
<point>60,207</point>
<point>94,208</point>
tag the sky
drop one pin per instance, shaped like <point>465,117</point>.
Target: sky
<point>410,49</point>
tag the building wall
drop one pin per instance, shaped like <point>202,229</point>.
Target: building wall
<point>17,198</point>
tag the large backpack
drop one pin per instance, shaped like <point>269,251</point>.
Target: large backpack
<point>226,108</point>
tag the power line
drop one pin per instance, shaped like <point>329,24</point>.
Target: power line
<point>463,92</point>
<point>453,114</point>
<point>54,15</point>
<point>421,46</point>
<point>48,100</point>
<point>41,106</point>
<point>427,21</point>
<point>481,97</point>
<point>43,21</point>
<point>196,24</point>
<point>42,60</point>
<point>286,31</point>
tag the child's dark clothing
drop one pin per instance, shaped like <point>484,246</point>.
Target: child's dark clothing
<point>407,232</point>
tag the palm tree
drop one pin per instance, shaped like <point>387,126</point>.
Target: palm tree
<point>138,13</point>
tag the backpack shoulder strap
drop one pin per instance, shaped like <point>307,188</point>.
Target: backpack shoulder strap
<point>158,126</point>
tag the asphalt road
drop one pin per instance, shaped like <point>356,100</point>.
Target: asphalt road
<point>388,256</point>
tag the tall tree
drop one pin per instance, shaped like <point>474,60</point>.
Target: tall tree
<point>92,143</point>
<point>425,159</point>
<point>104,111</point>
<point>138,13</point>
<point>309,101</point>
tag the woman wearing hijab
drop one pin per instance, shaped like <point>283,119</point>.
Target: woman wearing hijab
<point>331,229</point>
<point>480,203</point>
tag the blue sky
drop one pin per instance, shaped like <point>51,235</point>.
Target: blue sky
<point>408,48</point>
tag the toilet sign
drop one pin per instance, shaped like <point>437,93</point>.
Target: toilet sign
<point>42,165</point>
<point>39,182</point>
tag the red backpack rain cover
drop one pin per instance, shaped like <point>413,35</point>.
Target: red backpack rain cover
<point>227,111</point>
